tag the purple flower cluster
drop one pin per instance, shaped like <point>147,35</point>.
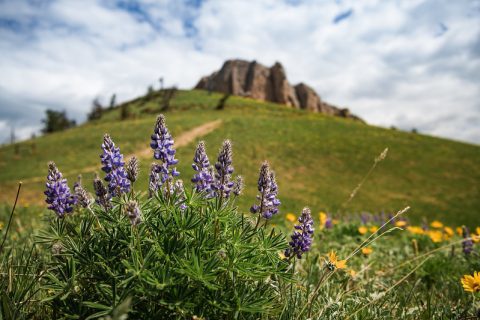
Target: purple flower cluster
<point>267,186</point>
<point>203,179</point>
<point>113,166</point>
<point>467,243</point>
<point>58,193</point>
<point>302,237</point>
<point>222,185</point>
<point>162,144</point>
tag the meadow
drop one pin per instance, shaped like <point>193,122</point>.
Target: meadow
<point>322,159</point>
<point>396,248</point>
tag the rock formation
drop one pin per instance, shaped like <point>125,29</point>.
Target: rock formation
<point>254,80</point>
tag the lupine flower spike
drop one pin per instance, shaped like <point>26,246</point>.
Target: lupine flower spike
<point>133,212</point>
<point>81,195</point>
<point>162,145</point>
<point>267,197</point>
<point>113,166</point>
<point>103,197</point>
<point>302,237</point>
<point>203,179</point>
<point>132,169</point>
<point>238,187</point>
<point>224,169</point>
<point>58,193</point>
<point>154,180</point>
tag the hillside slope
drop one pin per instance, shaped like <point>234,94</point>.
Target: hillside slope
<point>318,159</point>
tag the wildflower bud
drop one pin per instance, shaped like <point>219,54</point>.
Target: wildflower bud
<point>82,196</point>
<point>238,187</point>
<point>133,212</point>
<point>103,197</point>
<point>132,169</point>
<point>154,180</point>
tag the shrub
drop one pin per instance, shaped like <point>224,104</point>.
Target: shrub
<point>177,253</point>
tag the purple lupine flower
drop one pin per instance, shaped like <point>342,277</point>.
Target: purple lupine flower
<point>267,186</point>
<point>113,166</point>
<point>103,197</point>
<point>302,237</point>
<point>467,243</point>
<point>133,212</point>
<point>222,185</point>
<point>154,180</point>
<point>329,223</point>
<point>162,144</point>
<point>203,179</point>
<point>58,193</point>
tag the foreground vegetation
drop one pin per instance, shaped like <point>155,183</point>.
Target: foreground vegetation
<point>189,252</point>
<point>321,158</point>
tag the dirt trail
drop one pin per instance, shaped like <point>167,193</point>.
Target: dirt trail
<point>182,140</point>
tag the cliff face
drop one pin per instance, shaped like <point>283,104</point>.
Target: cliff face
<point>254,80</point>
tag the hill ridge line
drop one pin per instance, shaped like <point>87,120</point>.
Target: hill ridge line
<point>182,140</point>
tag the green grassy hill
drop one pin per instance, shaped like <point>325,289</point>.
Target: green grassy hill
<point>319,160</point>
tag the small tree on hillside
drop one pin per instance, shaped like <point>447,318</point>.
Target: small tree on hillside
<point>167,96</point>
<point>56,121</point>
<point>96,112</point>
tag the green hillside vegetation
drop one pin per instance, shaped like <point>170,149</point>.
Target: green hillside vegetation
<point>318,159</point>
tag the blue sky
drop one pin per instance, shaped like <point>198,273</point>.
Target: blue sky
<point>409,64</point>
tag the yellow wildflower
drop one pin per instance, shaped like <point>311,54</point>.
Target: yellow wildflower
<point>335,221</point>
<point>436,224</point>
<point>400,223</point>
<point>362,230</point>
<point>415,230</point>
<point>471,283</point>
<point>352,273</point>
<point>333,261</point>
<point>281,255</point>
<point>435,235</point>
<point>449,231</point>
<point>291,217</point>
<point>459,231</point>
<point>367,250</point>
<point>373,229</point>
<point>323,218</point>
<point>478,230</point>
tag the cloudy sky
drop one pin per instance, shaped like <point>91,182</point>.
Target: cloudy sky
<point>411,64</point>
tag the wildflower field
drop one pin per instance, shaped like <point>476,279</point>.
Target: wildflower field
<point>224,229</point>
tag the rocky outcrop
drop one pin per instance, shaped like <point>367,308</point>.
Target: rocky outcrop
<point>254,80</point>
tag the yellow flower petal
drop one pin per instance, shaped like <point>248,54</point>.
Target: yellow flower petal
<point>367,250</point>
<point>291,217</point>
<point>362,230</point>
<point>373,229</point>
<point>471,283</point>
<point>436,224</point>
<point>400,224</point>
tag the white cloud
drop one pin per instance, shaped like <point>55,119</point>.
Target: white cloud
<point>408,64</point>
